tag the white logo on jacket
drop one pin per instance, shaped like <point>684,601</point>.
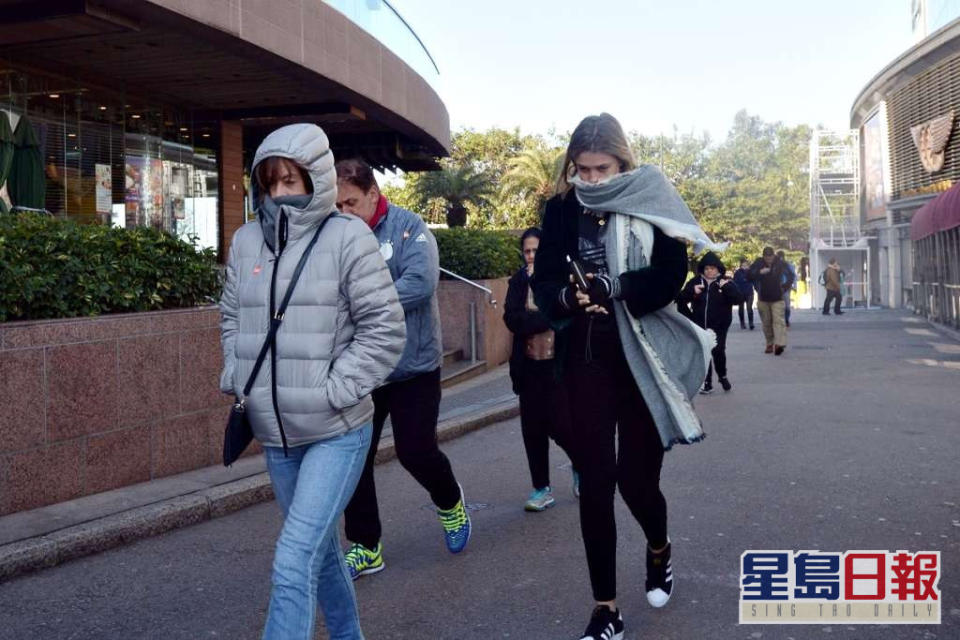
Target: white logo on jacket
<point>386,250</point>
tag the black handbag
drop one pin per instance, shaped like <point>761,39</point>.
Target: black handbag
<point>238,434</point>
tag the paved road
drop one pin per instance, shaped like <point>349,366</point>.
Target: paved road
<point>848,441</point>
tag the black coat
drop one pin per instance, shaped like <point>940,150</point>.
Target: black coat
<point>712,308</point>
<point>643,290</point>
<point>771,286</point>
<point>522,322</point>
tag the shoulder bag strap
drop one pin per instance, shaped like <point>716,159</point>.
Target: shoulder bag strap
<point>277,319</point>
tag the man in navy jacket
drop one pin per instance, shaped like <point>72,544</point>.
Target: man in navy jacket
<point>411,396</point>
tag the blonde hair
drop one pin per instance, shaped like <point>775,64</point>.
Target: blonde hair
<point>600,134</point>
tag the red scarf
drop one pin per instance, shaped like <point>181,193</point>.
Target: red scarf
<point>382,206</point>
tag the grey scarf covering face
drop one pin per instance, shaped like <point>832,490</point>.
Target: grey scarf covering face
<point>668,354</point>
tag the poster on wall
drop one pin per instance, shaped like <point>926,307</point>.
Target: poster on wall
<point>133,188</point>
<point>104,188</point>
<point>873,196</point>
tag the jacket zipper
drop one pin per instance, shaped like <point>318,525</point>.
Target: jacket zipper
<point>273,352</point>
<point>706,305</point>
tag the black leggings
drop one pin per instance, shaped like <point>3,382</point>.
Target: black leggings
<point>605,400</point>
<point>748,303</point>
<point>413,406</point>
<point>719,353</point>
<point>544,414</point>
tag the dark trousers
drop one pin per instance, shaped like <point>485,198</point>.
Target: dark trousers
<point>748,303</point>
<point>832,295</point>
<point>605,402</point>
<point>413,406</point>
<point>544,414</point>
<point>719,361</point>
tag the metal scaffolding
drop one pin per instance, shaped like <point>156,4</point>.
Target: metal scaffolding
<point>835,215</point>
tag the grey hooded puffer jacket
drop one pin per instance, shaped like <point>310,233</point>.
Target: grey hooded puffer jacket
<point>343,331</point>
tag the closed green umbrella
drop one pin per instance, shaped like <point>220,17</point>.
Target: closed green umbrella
<point>6,153</point>
<point>27,183</point>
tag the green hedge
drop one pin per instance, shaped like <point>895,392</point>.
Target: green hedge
<point>478,253</point>
<point>52,268</point>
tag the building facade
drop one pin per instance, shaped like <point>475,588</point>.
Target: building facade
<point>907,117</point>
<point>147,112</point>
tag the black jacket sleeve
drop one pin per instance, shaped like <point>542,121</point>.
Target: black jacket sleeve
<point>754,274</point>
<point>686,297</point>
<point>658,284</point>
<point>731,294</point>
<point>518,319</point>
<point>550,271</point>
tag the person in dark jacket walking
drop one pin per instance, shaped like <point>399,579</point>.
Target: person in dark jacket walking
<point>544,412</point>
<point>599,345</point>
<point>741,278</point>
<point>708,300</point>
<point>411,396</point>
<point>772,279</point>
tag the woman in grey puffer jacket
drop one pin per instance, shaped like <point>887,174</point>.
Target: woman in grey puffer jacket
<point>342,334</point>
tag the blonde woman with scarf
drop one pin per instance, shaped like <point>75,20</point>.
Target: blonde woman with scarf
<point>630,362</point>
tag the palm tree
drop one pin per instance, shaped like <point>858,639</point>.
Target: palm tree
<point>533,174</point>
<point>457,186</point>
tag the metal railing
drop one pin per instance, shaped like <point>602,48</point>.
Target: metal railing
<point>473,309</point>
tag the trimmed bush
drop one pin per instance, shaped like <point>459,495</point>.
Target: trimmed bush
<point>478,253</point>
<point>53,268</point>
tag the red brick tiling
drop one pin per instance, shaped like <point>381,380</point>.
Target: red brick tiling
<point>83,389</point>
<point>39,477</point>
<point>117,459</point>
<point>149,370</point>
<point>39,333</point>
<point>21,387</point>
<point>200,363</point>
<point>183,443</point>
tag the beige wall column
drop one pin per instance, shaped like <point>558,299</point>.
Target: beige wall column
<point>231,183</point>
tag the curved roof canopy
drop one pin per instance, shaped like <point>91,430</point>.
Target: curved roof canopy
<point>940,214</point>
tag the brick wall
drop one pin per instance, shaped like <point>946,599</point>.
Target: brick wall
<point>93,404</point>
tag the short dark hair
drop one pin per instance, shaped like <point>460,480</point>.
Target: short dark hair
<point>356,172</point>
<point>269,170</point>
<point>532,232</point>
<point>781,254</point>
<point>768,251</point>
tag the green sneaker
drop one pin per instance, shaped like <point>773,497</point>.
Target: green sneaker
<point>362,561</point>
<point>456,525</point>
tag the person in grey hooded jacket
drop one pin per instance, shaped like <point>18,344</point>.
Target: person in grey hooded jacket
<point>310,406</point>
<point>412,396</point>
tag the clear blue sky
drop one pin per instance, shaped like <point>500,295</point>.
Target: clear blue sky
<point>539,64</point>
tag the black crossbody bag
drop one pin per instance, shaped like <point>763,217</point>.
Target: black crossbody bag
<point>239,433</point>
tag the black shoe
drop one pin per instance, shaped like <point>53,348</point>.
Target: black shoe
<point>778,350</point>
<point>659,577</point>
<point>706,389</point>
<point>826,313</point>
<point>604,625</point>
<point>725,384</point>
<point>751,327</point>
<point>837,313</point>
<point>743,326</point>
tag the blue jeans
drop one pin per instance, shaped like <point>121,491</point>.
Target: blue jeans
<point>312,485</point>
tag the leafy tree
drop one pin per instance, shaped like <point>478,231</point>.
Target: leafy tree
<point>457,186</point>
<point>532,176</point>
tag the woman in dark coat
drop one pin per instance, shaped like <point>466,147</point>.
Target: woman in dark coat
<point>606,402</point>
<point>544,412</point>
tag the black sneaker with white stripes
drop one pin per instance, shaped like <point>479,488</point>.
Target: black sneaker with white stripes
<point>604,625</point>
<point>659,577</point>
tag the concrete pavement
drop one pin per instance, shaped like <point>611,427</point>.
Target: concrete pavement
<point>847,441</point>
